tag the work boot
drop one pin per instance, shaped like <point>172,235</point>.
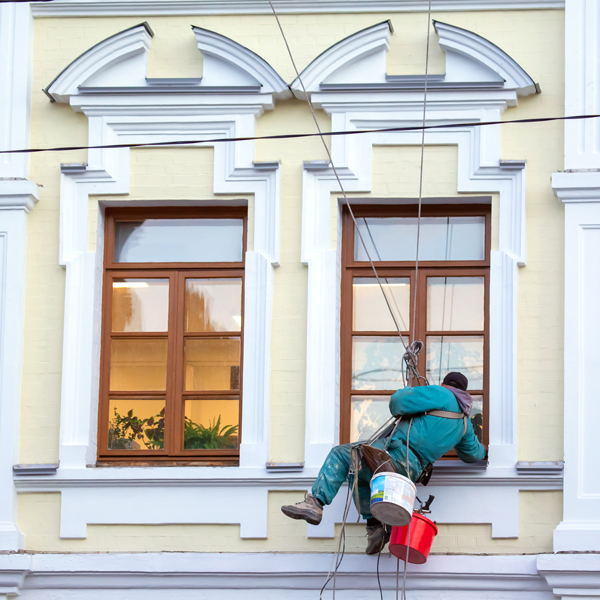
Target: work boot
<point>377,537</point>
<point>310,510</point>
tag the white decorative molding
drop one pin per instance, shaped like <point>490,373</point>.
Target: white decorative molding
<point>17,198</point>
<point>255,576</point>
<point>358,64</point>
<point>119,60</point>
<point>16,58</point>
<point>358,58</point>
<point>76,8</point>
<point>482,57</point>
<point>571,575</point>
<point>580,527</point>
<point>582,83</point>
<point>480,170</point>
<point>122,109</point>
<point>227,63</point>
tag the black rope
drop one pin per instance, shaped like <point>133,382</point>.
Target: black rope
<point>286,136</point>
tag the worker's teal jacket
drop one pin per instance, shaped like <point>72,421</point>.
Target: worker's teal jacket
<point>430,437</point>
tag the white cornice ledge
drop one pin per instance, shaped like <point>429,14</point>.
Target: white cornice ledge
<point>262,570</point>
<point>228,63</point>
<point>18,194</point>
<point>581,186</point>
<point>571,575</point>
<point>132,45</point>
<point>76,8</point>
<point>455,40</point>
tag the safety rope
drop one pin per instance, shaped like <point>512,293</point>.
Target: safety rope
<point>412,351</point>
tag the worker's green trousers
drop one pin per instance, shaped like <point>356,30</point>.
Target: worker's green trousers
<point>335,471</point>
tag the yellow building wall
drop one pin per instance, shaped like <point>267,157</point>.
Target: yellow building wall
<point>39,520</point>
<point>532,38</point>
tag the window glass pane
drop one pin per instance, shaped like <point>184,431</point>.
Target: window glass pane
<point>377,363</point>
<point>136,424</point>
<point>369,309</point>
<point>213,305</point>
<point>179,240</point>
<point>463,354</point>
<point>211,424</point>
<point>477,416</point>
<point>138,365</point>
<point>369,413</point>
<point>441,238</point>
<point>212,364</point>
<point>455,303</point>
<point>140,305</point>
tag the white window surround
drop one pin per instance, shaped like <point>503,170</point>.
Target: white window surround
<point>349,82</point>
<point>108,84</point>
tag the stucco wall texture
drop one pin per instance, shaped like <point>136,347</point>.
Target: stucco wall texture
<point>533,38</point>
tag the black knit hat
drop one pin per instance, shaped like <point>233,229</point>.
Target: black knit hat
<point>456,380</point>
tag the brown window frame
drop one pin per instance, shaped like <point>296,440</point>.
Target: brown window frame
<point>174,393</point>
<point>352,268</point>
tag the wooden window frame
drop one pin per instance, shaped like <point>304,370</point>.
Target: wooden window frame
<point>406,269</point>
<point>174,393</point>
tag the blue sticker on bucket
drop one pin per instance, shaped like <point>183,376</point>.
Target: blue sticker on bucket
<point>377,489</point>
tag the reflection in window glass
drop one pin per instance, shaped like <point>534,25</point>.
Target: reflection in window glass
<point>140,305</point>
<point>477,416</point>
<point>213,305</point>
<point>369,309</point>
<point>212,364</point>
<point>455,353</point>
<point>211,424</point>
<point>455,303</point>
<point>138,365</point>
<point>377,363</point>
<point>179,240</point>
<point>136,424</point>
<point>369,413</point>
<point>441,238</point>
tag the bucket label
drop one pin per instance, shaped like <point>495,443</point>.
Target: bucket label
<point>378,489</point>
<point>394,491</point>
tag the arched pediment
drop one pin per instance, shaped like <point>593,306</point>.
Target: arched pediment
<point>227,64</point>
<point>359,58</point>
<point>471,57</point>
<point>358,64</point>
<point>118,65</point>
<point>119,60</point>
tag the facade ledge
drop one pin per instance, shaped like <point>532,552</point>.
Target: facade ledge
<point>77,8</point>
<point>17,193</point>
<point>577,186</point>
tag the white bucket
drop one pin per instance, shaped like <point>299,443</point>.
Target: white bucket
<point>392,498</point>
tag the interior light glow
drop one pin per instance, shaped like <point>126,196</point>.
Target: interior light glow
<point>130,284</point>
<point>238,320</point>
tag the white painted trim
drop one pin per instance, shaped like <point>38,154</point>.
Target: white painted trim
<point>75,8</point>
<point>455,40</point>
<point>582,83</point>
<point>17,197</point>
<point>16,59</point>
<point>253,574</point>
<point>221,53</point>
<point>358,64</point>
<point>354,51</point>
<point>580,527</point>
<point>131,45</point>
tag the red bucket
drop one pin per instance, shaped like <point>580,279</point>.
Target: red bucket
<point>422,532</point>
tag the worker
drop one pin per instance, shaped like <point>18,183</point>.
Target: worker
<point>431,437</point>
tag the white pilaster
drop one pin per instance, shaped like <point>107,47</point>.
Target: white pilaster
<point>582,83</point>
<point>580,527</point>
<point>17,198</point>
